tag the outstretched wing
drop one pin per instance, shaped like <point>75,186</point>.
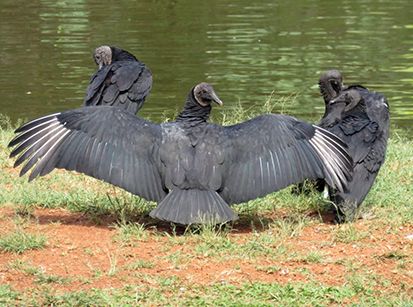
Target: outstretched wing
<point>106,143</point>
<point>123,84</point>
<point>270,152</point>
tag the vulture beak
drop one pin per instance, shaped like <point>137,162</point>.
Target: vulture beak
<point>216,99</point>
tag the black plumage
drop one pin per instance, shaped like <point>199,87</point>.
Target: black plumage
<point>121,80</point>
<point>192,168</point>
<point>361,119</point>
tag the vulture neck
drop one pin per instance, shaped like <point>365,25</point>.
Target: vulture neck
<point>327,91</point>
<point>193,114</point>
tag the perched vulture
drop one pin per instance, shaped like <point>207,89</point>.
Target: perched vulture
<point>361,119</point>
<point>121,80</point>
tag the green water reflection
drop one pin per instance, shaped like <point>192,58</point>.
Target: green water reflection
<point>247,49</point>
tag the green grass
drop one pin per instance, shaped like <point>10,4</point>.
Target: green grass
<point>314,257</point>
<point>169,292</point>
<point>130,233</point>
<point>8,297</point>
<point>347,233</point>
<point>141,264</point>
<point>38,272</point>
<point>20,241</point>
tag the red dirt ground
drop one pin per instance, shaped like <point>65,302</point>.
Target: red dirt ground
<point>81,251</point>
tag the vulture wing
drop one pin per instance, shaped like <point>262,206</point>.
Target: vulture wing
<point>270,152</point>
<point>106,143</point>
<point>123,84</point>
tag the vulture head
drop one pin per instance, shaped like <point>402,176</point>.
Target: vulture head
<point>331,84</point>
<point>102,56</point>
<point>106,55</point>
<point>204,95</point>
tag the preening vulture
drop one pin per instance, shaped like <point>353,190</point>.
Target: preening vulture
<point>361,119</point>
<point>121,80</point>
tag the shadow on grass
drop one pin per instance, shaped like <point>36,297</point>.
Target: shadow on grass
<point>247,223</point>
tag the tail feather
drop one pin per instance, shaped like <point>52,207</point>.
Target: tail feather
<point>193,207</point>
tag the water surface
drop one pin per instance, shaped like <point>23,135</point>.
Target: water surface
<point>247,49</point>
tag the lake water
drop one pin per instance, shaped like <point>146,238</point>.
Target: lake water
<point>247,49</point>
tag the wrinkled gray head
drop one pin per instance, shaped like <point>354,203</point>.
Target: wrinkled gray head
<point>204,95</point>
<point>331,84</point>
<point>103,56</point>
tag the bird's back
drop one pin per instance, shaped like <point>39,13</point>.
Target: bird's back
<point>124,83</point>
<point>191,157</point>
<point>365,130</point>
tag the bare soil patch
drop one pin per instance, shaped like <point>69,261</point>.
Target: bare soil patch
<point>85,255</point>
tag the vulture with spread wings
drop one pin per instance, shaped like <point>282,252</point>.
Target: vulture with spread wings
<point>192,168</point>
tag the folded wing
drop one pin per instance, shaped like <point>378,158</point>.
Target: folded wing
<point>123,84</point>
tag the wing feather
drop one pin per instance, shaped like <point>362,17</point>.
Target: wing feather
<point>103,142</point>
<point>123,84</point>
<point>271,152</point>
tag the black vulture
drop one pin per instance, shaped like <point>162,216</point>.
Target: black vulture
<point>192,168</point>
<point>121,80</point>
<point>361,119</point>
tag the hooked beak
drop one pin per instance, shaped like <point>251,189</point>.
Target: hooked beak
<point>216,99</point>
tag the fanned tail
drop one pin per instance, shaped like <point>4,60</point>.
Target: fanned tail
<point>193,207</point>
